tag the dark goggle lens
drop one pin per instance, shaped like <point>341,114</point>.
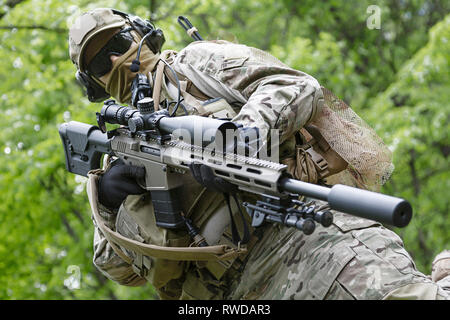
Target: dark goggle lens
<point>118,45</point>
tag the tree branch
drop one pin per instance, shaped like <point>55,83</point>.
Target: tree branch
<point>430,173</point>
<point>69,229</point>
<point>59,30</point>
<point>78,214</point>
<point>10,4</point>
<point>412,166</point>
<point>102,282</point>
<point>423,243</point>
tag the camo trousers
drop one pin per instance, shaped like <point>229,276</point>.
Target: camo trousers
<point>352,259</point>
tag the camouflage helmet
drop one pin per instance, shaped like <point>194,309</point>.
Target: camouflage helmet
<point>86,27</point>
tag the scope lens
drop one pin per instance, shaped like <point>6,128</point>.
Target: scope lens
<point>116,114</point>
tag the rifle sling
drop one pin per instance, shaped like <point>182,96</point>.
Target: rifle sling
<point>115,239</point>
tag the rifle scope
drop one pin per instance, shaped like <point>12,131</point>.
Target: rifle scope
<point>144,118</point>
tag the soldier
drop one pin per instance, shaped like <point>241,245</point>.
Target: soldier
<point>354,258</point>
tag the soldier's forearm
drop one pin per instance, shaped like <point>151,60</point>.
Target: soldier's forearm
<point>286,107</point>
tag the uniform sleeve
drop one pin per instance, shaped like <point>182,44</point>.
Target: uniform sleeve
<point>278,98</point>
<point>271,95</point>
<point>444,284</point>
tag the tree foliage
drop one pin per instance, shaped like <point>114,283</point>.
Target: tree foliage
<point>413,115</point>
<point>396,77</point>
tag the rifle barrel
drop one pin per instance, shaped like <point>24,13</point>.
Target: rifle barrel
<point>362,203</point>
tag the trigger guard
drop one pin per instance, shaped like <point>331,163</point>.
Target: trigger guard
<point>141,183</point>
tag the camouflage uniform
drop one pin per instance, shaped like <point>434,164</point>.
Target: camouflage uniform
<point>352,259</point>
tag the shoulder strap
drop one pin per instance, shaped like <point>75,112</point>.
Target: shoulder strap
<point>191,94</point>
<point>187,85</point>
<point>115,239</point>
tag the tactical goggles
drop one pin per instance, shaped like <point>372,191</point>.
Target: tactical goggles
<point>119,44</point>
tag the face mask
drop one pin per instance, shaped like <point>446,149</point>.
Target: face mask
<point>118,83</point>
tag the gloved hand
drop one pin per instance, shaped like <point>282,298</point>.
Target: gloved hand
<point>205,176</point>
<point>118,182</point>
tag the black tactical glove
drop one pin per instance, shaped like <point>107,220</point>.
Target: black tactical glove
<point>205,176</point>
<point>118,182</point>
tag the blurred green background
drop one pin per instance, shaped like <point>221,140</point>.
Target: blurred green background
<point>394,74</point>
